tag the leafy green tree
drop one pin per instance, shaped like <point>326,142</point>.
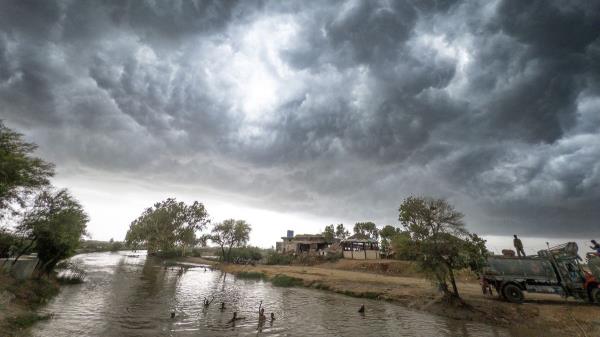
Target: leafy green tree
<point>387,233</point>
<point>55,224</point>
<point>167,224</point>
<point>367,230</point>
<point>230,233</point>
<point>440,241</point>
<point>21,173</point>
<point>403,246</point>
<point>341,232</point>
<point>329,233</point>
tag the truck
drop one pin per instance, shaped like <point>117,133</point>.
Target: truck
<point>557,270</point>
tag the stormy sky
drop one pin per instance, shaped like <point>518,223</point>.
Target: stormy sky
<point>297,114</point>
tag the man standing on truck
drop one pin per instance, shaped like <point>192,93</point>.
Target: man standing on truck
<point>518,246</point>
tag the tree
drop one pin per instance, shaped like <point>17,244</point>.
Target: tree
<point>230,233</point>
<point>167,224</point>
<point>387,233</point>
<point>367,230</point>
<point>403,246</point>
<point>341,232</point>
<point>440,241</point>
<point>329,233</point>
<point>21,174</point>
<point>55,224</point>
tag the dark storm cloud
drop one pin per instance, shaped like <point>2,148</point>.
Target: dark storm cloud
<point>335,108</point>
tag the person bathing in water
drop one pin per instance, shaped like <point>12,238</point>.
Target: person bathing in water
<point>206,302</point>
<point>235,318</point>
<point>261,312</point>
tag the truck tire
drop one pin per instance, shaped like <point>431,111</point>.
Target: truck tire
<point>595,294</point>
<point>513,293</point>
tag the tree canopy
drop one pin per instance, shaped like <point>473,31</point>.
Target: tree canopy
<point>55,225</point>
<point>20,172</point>
<point>329,233</point>
<point>167,224</point>
<point>341,232</point>
<point>366,230</point>
<point>230,233</point>
<point>439,240</point>
<point>387,233</point>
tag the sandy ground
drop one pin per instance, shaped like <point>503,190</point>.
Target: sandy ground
<point>540,315</point>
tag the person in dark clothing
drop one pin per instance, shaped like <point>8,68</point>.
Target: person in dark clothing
<point>518,246</point>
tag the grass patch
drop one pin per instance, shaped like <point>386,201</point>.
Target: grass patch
<point>251,275</point>
<point>370,295</point>
<point>28,319</point>
<point>34,292</point>
<point>286,281</point>
<point>321,286</point>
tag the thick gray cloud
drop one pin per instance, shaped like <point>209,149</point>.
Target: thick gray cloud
<point>332,108</point>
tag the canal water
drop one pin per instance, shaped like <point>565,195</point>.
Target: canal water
<point>128,294</point>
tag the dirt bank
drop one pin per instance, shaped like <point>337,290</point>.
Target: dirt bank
<point>19,301</point>
<point>399,281</point>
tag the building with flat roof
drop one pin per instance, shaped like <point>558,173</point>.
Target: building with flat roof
<point>302,244</point>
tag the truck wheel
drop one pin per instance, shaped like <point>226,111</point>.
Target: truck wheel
<point>596,295</point>
<point>512,293</point>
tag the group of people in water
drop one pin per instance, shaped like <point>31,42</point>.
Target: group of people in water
<point>261,312</point>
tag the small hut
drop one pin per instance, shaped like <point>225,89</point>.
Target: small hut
<point>360,248</point>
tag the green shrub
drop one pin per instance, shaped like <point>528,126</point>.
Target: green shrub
<point>286,281</point>
<point>116,246</point>
<point>250,275</point>
<point>170,253</point>
<point>28,319</point>
<point>70,272</point>
<point>274,258</point>
<point>333,257</point>
<point>244,254</point>
<point>7,242</point>
<point>196,252</point>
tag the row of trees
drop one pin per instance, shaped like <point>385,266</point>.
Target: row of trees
<point>170,224</point>
<point>49,222</point>
<point>432,233</point>
<point>363,230</point>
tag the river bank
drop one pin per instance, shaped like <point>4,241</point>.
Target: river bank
<point>19,301</point>
<point>398,281</point>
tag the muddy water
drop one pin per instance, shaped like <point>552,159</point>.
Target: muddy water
<point>133,296</point>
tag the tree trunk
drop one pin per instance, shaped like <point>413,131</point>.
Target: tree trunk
<point>23,251</point>
<point>223,252</point>
<point>453,281</point>
<point>229,253</point>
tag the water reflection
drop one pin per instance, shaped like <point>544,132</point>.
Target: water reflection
<point>128,296</point>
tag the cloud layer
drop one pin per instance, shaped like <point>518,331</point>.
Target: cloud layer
<point>331,108</point>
